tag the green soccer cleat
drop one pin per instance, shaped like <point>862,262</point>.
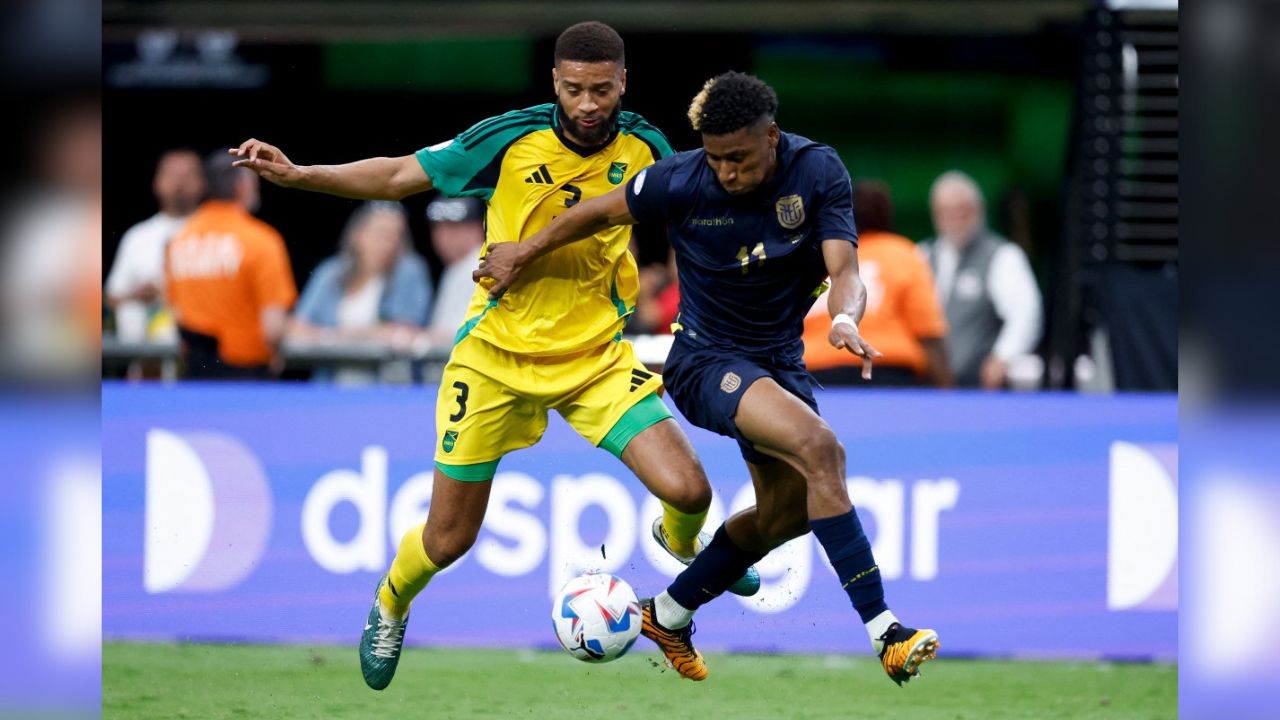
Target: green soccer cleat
<point>746,586</point>
<point>380,644</point>
<point>904,650</point>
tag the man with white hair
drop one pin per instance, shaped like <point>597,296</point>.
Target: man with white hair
<point>984,283</point>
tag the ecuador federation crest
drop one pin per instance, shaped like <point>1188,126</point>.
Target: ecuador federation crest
<point>617,171</point>
<point>790,211</point>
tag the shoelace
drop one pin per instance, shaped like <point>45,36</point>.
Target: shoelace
<point>388,638</point>
<point>684,637</point>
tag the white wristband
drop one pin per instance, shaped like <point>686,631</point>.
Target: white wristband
<point>844,318</point>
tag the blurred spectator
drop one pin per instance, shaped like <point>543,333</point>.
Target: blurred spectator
<point>985,283</point>
<point>457,234</point>
<point>903,319</point>
<point>51,253</point>
<point>228,280</point>
<point>658,301</point>
<point>135,287</point>
<point>375,290</point>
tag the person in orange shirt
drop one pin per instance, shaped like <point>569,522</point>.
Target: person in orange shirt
<point>903,319</point>
<point>228,280</point>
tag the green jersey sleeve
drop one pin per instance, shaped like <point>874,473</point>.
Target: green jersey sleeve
<point>469,164</point>
<point>633,124</point>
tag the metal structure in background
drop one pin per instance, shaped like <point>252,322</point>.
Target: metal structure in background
<point>419,362</point>
<point>399,19</point>
<point>1116,294</point>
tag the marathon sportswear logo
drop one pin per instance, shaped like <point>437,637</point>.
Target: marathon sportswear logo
<point>730,382</point>
<point>790,211</point>
<point>208,512</point>
<point>1142,547</point>
<point>617,171</point>
<point>541,176</point>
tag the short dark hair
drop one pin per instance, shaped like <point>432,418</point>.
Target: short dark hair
<point>873,206</point>
<point>220,176</point>
<point>590,42</point>
<point>731,101</point>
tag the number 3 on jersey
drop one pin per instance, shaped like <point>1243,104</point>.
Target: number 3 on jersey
<point>463,391</point>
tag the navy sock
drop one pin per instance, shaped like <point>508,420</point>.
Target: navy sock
<point>718,566</point>
<point>849,550</point>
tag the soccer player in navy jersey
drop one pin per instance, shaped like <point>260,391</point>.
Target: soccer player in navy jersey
<point>759,219</point>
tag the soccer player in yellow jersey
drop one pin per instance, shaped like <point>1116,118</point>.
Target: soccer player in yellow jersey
<point>555,343</point>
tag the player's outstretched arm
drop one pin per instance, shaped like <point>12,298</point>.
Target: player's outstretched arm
<point>846,301</point>
<point>503,262</point>
<point>380,178</point>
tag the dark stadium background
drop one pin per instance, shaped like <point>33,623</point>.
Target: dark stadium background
<point>902,108</point>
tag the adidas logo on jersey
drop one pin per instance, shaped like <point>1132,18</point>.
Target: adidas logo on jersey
<point>638,378</point>
<point>540,176</point>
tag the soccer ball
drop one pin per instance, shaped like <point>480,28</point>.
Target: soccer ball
<point>596,617</point>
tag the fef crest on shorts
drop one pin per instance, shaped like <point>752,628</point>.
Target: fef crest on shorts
<point>790,211</point>
<point>617,171</point>
<point>450,439</point>
<point>730,382</point>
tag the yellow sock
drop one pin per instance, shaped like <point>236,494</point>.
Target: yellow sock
<point>681,529</point>
<point>409,574</point>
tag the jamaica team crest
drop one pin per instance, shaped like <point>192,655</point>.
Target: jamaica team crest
<point>790,211</point>
<point>450,439</point>
<point>617,171</point>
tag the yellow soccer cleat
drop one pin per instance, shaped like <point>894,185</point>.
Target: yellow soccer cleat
<point>905,650</point>
<point>676,645</point>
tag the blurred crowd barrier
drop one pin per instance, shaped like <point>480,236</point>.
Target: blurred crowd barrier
<point>417,361</point>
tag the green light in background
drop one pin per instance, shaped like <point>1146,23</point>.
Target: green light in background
<point>497,65</point>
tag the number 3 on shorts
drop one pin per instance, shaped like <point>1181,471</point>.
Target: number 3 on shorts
<point>463,391</point>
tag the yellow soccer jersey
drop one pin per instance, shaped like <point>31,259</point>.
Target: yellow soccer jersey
<point>528,171</point>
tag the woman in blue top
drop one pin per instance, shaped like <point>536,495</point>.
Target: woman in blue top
<point>375,290</point>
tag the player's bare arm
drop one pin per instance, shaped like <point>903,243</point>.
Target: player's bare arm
<point>848,297</point>
<point>382,178</point>
<point>503,262</point>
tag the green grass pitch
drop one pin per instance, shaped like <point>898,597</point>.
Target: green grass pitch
<point>209,682</point>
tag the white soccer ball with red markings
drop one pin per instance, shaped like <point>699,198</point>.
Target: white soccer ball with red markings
<point>596,617</point>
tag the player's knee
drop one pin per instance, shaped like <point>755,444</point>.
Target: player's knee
<point>690,492</point>
<point>821,453</point>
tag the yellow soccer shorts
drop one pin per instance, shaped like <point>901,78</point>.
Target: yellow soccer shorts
<point>493,402</point>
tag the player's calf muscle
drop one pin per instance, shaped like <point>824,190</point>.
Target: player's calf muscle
<point>445,545</point>
<point>783,526</point>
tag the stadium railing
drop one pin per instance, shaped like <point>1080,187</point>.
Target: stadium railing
<point>383,358</point>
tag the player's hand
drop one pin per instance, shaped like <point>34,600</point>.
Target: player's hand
<point>844,337</point>
<point>500,266</point>
<point>268,161</point>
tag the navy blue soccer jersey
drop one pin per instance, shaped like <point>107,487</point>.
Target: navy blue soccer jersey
<point>749,266</point>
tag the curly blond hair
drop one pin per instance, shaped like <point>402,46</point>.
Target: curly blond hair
<point>731,101</point>
<point>695,107</point>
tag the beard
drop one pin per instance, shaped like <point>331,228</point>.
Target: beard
<point>590,136</point>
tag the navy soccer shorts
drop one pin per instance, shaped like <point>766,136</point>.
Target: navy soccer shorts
<point>708,383</point>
